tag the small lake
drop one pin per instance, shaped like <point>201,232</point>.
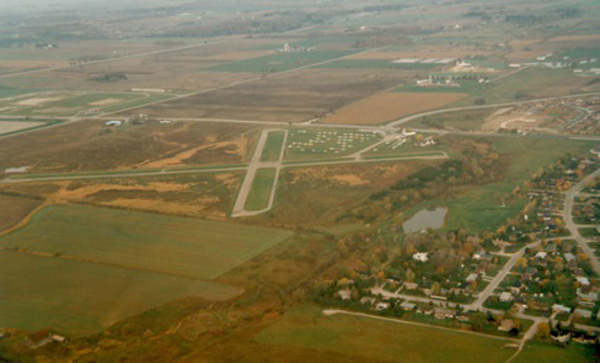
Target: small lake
<point>424,219</point>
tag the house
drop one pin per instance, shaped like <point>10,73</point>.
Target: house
<point>345,294</point>
<point>443,313</point>
<point>506,325</point>
<point>367,300</point>
<point>561,338</point>
<point>479,255</point>
<point>472,277</point>
<point>382,306</point>
<point>410,285</point>
<point>569,257</point>
<point>557,308</point>
<point>421,256</point>
<point>584,281</point>
<point>582,313</point>
<point>164,122</point>
<point>541,255</point>
<point>589,296</point>
<point>113,123</point>
<point>506,296</point>
<point>408,306</point>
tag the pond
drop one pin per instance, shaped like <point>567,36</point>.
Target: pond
<point>424,219</point>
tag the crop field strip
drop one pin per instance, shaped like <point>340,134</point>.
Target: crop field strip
<point>179,246</point>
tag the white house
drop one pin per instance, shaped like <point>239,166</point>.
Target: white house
<point>541,255</point>
<point>421,256</point>
<point>506,296</point>
<point>583,280</point>
<point>113,123</point>
<point>557,308</point>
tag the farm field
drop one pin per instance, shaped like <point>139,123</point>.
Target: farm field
<point>80,298</point>
<point>273,146</point>
<point>389,106</point>
<point>14,209</point>
<point>260,192</point>
<point>9,127</point>
<point>379,340</point>
<point>177,246</point>
<point>278,62</point>
<point>376,64</point>
<point>316,92</point>
<point>61,104</point>
<point>461,120</point>
<point>91,146</point>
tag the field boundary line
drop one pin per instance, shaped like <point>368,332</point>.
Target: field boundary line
<point>109,264</point>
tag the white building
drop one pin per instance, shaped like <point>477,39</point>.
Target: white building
<point>113,123</point>
<point>421,256</point>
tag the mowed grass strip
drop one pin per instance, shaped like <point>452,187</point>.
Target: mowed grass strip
<point>258,199</point>
<point>273,146</point>
<point>80,298</point>
<point>146,241</point>
<point>365,339</point>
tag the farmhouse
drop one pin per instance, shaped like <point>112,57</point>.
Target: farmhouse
<point>113,123</point>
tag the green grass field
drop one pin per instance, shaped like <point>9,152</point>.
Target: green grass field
<point>278,62</point>
<point>364,339</point>
<point>260,192</point>
<point>273,146</point>
<point>179,246</point>
<point>482,207</point>
<point>550,353</point>
<point>376,64</point>
<point>79,298</point>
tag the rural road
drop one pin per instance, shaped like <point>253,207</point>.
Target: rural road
<point>573,227</point>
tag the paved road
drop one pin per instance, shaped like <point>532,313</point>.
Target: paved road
<point>573,227</point>
<point>489,289</point>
